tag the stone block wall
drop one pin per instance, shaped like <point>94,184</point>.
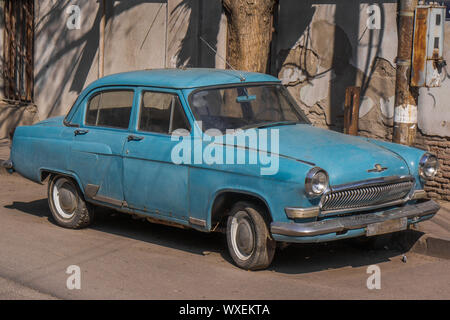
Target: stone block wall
<point>439,187</point>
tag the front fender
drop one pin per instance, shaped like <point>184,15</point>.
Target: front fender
<point>409,154</point>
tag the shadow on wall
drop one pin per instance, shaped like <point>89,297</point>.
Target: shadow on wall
<point>83,49</point>
<point>204,21</point>
<point>71,57</point>
<point>319,54</point>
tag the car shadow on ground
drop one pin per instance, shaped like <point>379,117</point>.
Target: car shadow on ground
<point>38,208</point>
<point>293,259</point>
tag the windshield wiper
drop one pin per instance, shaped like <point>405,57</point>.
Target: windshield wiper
<point>270,124</point>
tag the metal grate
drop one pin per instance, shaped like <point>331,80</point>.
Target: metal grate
<point>366,196</point>
<point>18,44</point>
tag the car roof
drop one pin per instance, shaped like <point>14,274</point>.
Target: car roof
<point>182,78</point>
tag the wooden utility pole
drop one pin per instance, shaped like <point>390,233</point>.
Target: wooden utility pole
<point>405,111</point>
<point>250,26</point>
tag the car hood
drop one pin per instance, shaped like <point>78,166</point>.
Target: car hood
<point>346,158</point>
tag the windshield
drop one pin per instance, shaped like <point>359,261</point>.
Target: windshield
<point>245,107</point>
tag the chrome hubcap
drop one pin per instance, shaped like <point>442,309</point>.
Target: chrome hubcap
<point>242,236</point>
<point>64,198</point>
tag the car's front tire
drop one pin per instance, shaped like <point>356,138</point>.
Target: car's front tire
<point>67,204</point>
<point>249,241</point>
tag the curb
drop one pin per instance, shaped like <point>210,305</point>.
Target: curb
<point>432,246</point>
<point>422,243</point>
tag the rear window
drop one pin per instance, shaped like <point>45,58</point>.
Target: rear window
<point>162,113</point>
<point>110,109</point>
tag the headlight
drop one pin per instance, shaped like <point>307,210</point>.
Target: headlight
<point>316,182</point>
<point>428,166</point>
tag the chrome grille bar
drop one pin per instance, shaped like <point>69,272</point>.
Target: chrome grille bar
<point>366,194</point>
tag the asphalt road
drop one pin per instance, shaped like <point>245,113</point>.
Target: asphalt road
<point>123,258</point>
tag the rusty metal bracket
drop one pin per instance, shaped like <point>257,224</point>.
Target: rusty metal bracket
<point>351,110</point>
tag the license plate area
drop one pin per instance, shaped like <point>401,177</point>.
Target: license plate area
<point>387,226</point>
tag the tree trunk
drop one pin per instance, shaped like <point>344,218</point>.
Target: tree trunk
<point>250,25</point>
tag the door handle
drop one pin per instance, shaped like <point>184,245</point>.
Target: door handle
<point>80,132</point>
<point>132,137</point>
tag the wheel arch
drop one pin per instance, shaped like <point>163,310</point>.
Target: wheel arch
<point>45,173</point>
<point>225,199</point>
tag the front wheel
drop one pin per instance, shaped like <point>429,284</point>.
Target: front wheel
<point>248,237</point>
<point>67,204</point>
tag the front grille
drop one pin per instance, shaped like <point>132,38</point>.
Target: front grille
<point>366,195</point>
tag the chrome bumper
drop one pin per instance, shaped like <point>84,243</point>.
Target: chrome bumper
<point>412,211</point>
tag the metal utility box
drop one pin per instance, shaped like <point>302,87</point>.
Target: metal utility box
<point>427,59</point>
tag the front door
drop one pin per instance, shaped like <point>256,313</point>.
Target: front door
<point>96,152</point>
<point>152,182</point>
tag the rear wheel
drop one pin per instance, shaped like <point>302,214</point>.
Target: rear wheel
<point>67,204</point>
<point>248,237</point>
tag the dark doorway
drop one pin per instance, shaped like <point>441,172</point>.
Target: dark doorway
<point>18,50</point>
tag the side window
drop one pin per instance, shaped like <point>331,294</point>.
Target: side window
<point>110,109</point>
<point>162,113</point>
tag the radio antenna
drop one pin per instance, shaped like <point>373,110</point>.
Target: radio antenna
<point>241,76</point>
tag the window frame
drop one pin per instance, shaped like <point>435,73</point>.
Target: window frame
<point>140,98</point>
<point>190,94</point>
<point>101,90</point>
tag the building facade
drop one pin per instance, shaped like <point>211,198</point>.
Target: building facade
<point>52,49</point>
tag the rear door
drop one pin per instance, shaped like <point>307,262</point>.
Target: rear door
<point>152,182</point>
<point>97,148</point>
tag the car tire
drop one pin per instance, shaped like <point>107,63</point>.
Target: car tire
<point>67,204</point>
<point>249,241</point>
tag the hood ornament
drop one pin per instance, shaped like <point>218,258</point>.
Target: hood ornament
<point>378,168</point>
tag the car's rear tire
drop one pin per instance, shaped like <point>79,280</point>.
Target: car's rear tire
<point>248,237</point>
<point>67,204</point>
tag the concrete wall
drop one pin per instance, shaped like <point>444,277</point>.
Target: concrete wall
<point>140,34</point>
<point>325,51</point>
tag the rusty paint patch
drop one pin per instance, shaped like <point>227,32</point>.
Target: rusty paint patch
<point>420,47</point>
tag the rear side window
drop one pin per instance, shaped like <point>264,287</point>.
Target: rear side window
<point>110,109</point>
<point>161,113</point>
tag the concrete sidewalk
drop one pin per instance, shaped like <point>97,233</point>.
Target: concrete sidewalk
<point>4,153</point>
<point>430,237</point>
<point>435,240</point>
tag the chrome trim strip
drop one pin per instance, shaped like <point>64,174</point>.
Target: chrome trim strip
<point>198,222</point>
<point>301,213</point>
<point>419,194</point>
<point>115,202</point>
<point>292,229</point>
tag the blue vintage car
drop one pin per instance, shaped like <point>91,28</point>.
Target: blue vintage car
<point>220,150</point>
